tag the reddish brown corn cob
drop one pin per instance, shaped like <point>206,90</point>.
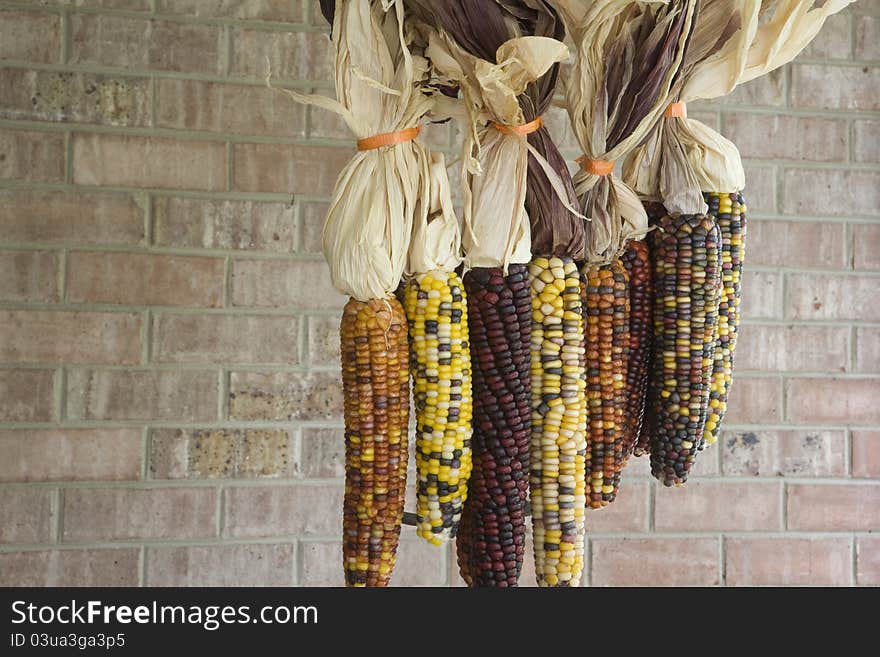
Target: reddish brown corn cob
<point>730,214</point>
<point>637,261</point>
<point>606,309</point>
<point>375,383</point>
<point>687,291</point>
<point>491,538</point>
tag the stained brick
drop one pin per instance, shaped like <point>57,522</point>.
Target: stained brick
<point>323,453</point>
<point>324,346</point>
<point>285,396</point>
<point>793,453</point>
<point>17,32</point>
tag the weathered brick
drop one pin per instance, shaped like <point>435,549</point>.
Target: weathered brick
<point>766,90</point>
<point>789,561</point>
<point>835,87</point>
<point>251,511</point>
<point>754,401</point>
<point>323,453</point>
<point>867,37</point>
<point>265,10</point>
<point>25,515</point>
<point>50,336</point>
<point>831,192</point>
<point>291,55</point>
<point>130,5</point>
<point>761,294</point>
<point>239,109</point>
<point>225,339</point>
<point>68,216</point>
<point>77,97</point>
<point>833,40</point>
<point>312,216</point>
<point>788,137</point>
<point>868,560</point>
<point>794,453</point>
<point>214,224</point>
<point>868,350</point>
<point>795,244</point>
<point>866,141</point>
<point>26,395</point>
<point>287,168</point>
<point>831,400</point>
<point>655,562</point>
<point>18,30</point>
<point>145,279</point>
<point>221,453</point>
<point>866,454</point>
<point>832,296</point>
<point>709,506</point>
<point>181,396</point>
<point>418,564</point>
<point>284,283</point>
<point>324,346</point>
<point>108,514</point>
<point>29,276</point>
<point>221,565</point>
<point>760,190</point>
<point>70,568</point>
<point>70,454</point>
<point>283,396</point>
<point>137,43</point>
<point>866,255</point>
<point>834,507</point>
<point>774,348</point>
<point>29,155</point>
<point>124,160</point>
<point>628,514</point>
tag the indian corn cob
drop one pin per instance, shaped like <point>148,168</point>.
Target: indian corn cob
<point>499,308</point>
<point>687,289</point>
<point>436,309</point>
<point>557,474</point>
<point>606,311</point>
<point>375,383</point>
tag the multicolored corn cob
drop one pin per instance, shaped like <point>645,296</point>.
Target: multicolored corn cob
<point>375,383</point>
<point>606,311</point>
<point>491,538</point>
<point>687,293</point>
<point>436,309</point>
<point>559,419</point>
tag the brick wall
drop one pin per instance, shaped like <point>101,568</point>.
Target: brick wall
<point>169,396</point>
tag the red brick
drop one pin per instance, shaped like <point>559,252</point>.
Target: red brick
<point>866,141</point>
<point>138,43</point>
<point>312,217</point>
<point>291,55</point>
<point>180,396</point>
<point>287,168</point>
<point>70,454</point>
<point>29,276</point>
<point>833,40</point>
<point>112,514</point>
<point>25,515</point>
<point>766,90</point>
<point>795,244</point>
<point>323,453</point>
<point>788,137</point>
<point>833,401</point>
<point>18,30</point>
<point>794,453</point>
<point>50,336</point>
<point>220,565</point>
<point>128,161</point>
<point>754,401</point>
<point>34,156</point>
<point>226,339</point>
<point>251,511</point>
<point>629,513</point>
<point>831,192</point>
<point>261,10</point>
<point>711,506</point>
<point>26,395</point>
<point>655,562</point>
<point>226,108</point>
<point>832,296</point>
<point>285,396</point>
<point>868,350</point>
<point>761,295</point>
<point>866,454</point>
<point>866,240</point>
<point>867,38</point>
<point>324,348</point>
<point>760,191</point>
<point>145,279</point>
<point>835,87</point>
<point>284,284</point>
<point>70,216</point>
<point>789,561</point>
<point>774,348</point>
<point>868,560</point>
<point>834,507</point>
<point>70,568</point>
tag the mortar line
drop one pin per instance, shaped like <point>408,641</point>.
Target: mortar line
<point>146,448</point>
<point>784,505</point>
<point>68,157</point>
<point>62,394</point>
<point>722,560</point>
<point>57,395</point>
<point>223,395</point>
<point>146,335</point>
<point>65,36</point>
<point>226,50</point>
<point>853,348</point>
<point>62,275</point>
<point>854,562</point>
<point>142,566</point>
<point>58,513</point>
<point>230,167</point>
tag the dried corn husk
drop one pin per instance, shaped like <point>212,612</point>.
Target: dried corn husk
<point>436,238</point>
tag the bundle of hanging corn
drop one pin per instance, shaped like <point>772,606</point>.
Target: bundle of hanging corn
<point>698,177</point>
<point>628,56</point>
<point>378,196</point>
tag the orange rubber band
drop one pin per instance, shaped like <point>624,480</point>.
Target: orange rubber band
<point>597,167</point>
<point>676,110</point>
<point>523,129</point>
<point>388,139</point>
